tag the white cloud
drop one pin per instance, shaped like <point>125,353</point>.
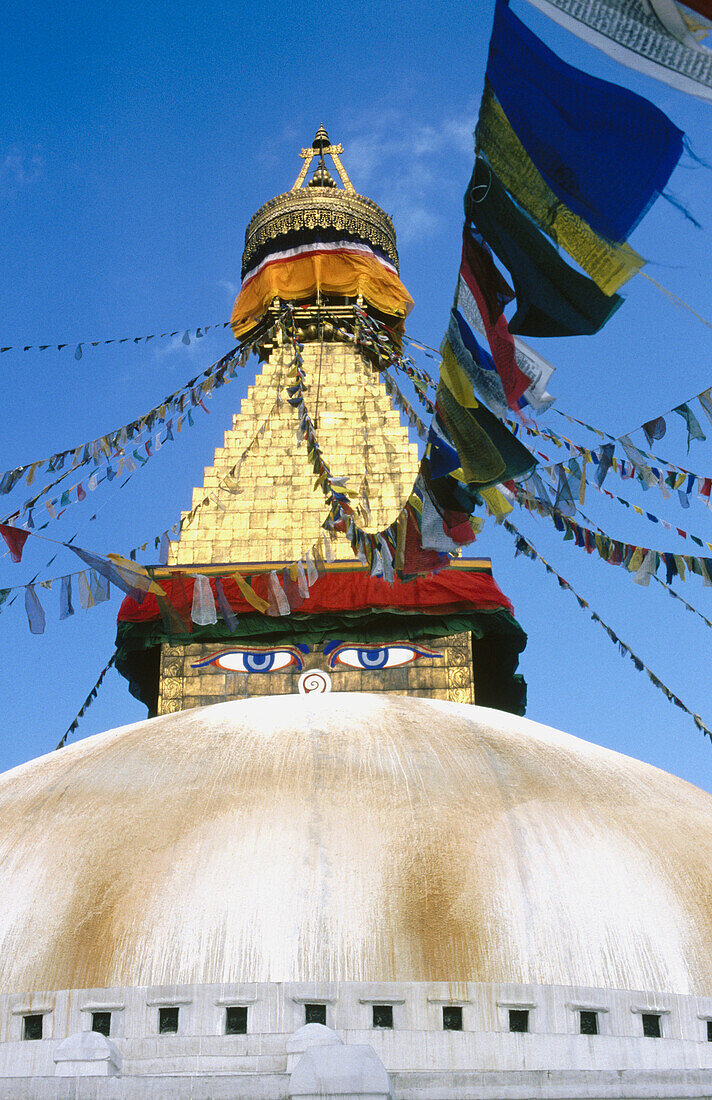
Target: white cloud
<point>231,289</point>
<point>20,167</point>
<point>408,164</point>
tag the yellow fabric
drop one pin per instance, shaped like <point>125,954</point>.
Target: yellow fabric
<point>456,380</point>
<point>480,460</point>
<point>137,574</point>
<point>249,593</point>
<point>609,265</point>
<point>496,502</point>
<point>347,273</point>
<point>637,560</point>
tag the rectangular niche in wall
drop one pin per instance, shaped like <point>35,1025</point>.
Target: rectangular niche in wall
<point>452,1018</point>
<point>651,1025</point>
<point>588,1022</point>
<point>383,1016</point>
<point>168,1020</point>
<point>315,1014</point>
<point>101,1023</point>
<point>32,1026</point>
<point>519,1020</point>
<point>236,1020</point>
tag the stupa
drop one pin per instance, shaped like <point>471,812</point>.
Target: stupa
<point>325,869</point>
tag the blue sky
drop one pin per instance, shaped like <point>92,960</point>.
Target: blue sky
<point>137,140</point>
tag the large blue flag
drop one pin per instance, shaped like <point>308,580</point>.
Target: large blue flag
<point>604,151</point>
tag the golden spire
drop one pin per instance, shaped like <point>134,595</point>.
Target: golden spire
<point>321,147</point>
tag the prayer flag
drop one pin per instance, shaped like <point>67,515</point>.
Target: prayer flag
<point>65,598</point>
<point>552,298</point>
<point>694,431</point>
<point>491,293</point>
<point>604,151</point>
<point>651,37</point>
<point>278,603</point>
<point>15,538</point>
<point>654,429</point>
<point>609,265</point>
<point>229,617</point>
<point>486,449</point>
<point>86,600</point>
<point>203,611</point>
<point>536,368</point>
<point>35,611</point>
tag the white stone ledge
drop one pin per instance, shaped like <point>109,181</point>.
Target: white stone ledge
<point>313,999</point>
<point>381,1000</point>
<point>169,1002</point>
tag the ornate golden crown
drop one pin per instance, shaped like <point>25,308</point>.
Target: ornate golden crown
<point>320,205</point>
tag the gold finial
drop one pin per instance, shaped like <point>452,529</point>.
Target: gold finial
<point>321,140</point>
<point>321,147</point>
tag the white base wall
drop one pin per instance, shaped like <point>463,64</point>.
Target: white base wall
<point>424,1062</point>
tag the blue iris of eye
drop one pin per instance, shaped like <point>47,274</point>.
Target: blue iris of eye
<point>372,658</point>
<point>258,662</point>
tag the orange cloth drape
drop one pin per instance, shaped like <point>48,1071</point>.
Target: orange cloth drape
<point>336,271</point>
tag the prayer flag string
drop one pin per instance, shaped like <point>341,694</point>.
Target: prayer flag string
<point>16,537</point>
<point>663,584</point>
<point>635,465</point>
<point>639,560</point>
<point>113,444</point>
<point>573,470</point>
<point>87,702</point>
<point>523,546</point>
<point>187,335</point>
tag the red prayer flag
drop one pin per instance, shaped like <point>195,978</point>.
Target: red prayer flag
<point>15,538</point>
<point>491,293</point>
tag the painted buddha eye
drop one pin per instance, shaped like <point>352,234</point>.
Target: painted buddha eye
<point>258,659</point>
<point>375,657</point>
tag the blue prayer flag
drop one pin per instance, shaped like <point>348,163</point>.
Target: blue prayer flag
<point>604,151</point>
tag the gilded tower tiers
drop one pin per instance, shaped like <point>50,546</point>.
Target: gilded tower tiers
<point>270,511</point>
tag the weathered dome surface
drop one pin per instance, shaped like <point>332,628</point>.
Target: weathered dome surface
<point>349,837</point>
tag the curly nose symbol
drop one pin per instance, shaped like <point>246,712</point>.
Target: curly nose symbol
<point>314,681</point>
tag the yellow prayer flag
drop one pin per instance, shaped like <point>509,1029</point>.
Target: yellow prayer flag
<point>452,374</point>
<point>249,593</point>
<point>637,560</point>
<point>496,501</point>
